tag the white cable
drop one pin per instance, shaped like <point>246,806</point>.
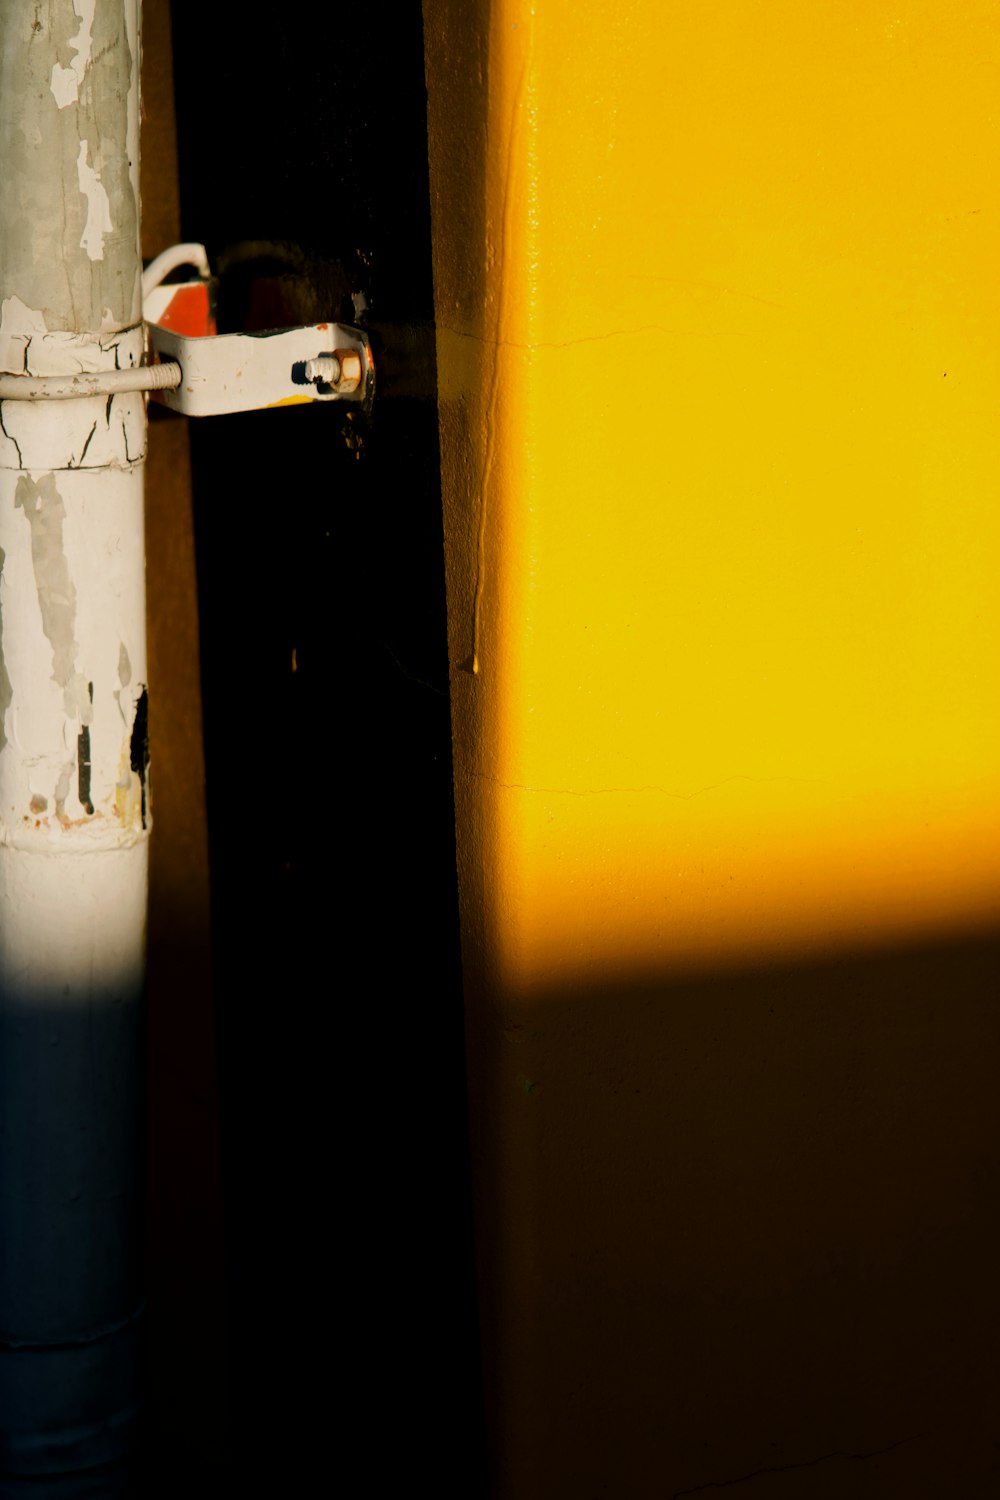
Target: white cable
<point>161,377</point>
<point>170,260</point>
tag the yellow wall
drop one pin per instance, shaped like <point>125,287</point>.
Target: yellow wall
<point>717,306</point>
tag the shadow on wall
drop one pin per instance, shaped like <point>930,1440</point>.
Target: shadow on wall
<point>71,1309</point>
<point>742,1230</point>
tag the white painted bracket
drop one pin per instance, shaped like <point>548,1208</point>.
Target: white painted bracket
<point>232,372</point>
<point>245,371</point>
<point>189,367</point>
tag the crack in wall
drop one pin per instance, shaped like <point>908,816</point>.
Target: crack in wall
<point>809,1463</point>
<point>129,459</point>
<point>590,338</point>
<point>10,438</point>
<point>502,300</point>
<point>608,791</point>
<point>83,452</point>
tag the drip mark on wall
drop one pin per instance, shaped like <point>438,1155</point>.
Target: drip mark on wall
<point>491,439</point>
<point>62,790</point>
<point>139,749</point>
<point>124,677</point>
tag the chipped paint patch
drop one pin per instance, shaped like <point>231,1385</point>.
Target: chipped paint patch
<point>58,254</point>
<point>83,759</point>
<point>127,804</point>
<point>43,506</point>
<point>83,763</point>
<point>128,792</point>
<point>132,787</point>
<point>29,347</point>
<point>103,433</point>
<point>72,580</point>
<point>71,517</point>
<point>139,752</point>
<point>19,325</point>
<point>98,223</point>
<point>66,82</point>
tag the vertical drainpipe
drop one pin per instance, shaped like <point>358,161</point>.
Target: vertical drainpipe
<point>74,810</point>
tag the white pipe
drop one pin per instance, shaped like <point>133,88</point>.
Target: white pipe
<point>171,260</point>
<point>162,377</point>
<point>74,799</point>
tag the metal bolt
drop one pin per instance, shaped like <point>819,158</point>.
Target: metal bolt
<point>342,370</point>
<point>350,369</point>
<point>323,370</point>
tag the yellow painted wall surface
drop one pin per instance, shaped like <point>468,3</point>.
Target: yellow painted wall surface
<point>718,341</point>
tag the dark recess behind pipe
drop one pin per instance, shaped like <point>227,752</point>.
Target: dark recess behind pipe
<point>324,673</point>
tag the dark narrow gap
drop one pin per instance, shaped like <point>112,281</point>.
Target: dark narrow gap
<point>353,1336</point>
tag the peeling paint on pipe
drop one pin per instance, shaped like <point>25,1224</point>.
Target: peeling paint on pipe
<point>73,800</point>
